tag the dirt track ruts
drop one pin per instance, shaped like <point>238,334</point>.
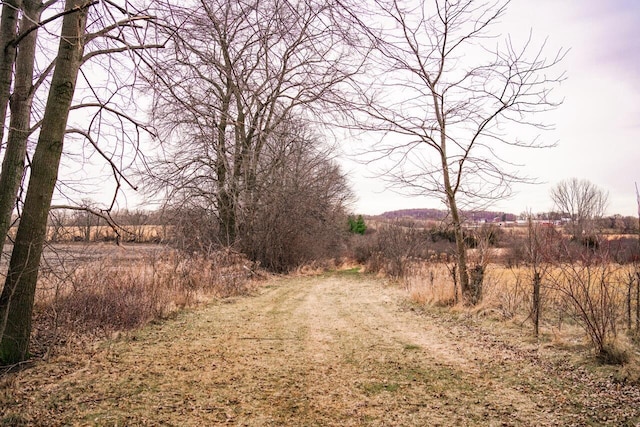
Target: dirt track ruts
<point>334,350</point>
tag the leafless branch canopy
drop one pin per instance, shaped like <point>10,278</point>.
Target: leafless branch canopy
<point>449,97</point>
<point>582,201</point>
<point>233,75</point>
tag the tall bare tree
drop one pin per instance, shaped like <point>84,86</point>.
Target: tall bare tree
<point>107,36</point>
<point>448,96</point>
<point>22,53</point>
<point>16,302</point>
<point>583,202</point>
<point>102,117</point>
<point>232,74</point>
<point>8,32</point>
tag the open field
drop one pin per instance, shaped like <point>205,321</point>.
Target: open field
<point>56,254</point>
<point>340,349</point>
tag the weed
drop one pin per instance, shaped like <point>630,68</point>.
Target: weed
<point>411,347</point>
<point>100,297</point>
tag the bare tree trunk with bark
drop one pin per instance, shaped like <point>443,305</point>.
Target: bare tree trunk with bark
<point>19,125</point>
<point>8,33</point>
<point>16,302</point>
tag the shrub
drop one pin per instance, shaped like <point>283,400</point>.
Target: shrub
<point>395,245</point>
<point>100,297</point>
<point>592,292</point>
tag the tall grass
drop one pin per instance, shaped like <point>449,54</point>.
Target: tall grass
<point>103,296</point>
<point>591,297</point>
<point>429,283</point>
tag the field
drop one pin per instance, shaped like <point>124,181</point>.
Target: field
<point>88,291</point>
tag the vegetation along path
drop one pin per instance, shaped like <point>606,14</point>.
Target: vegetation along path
<point>334,350</point>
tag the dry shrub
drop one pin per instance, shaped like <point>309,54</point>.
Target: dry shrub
<point>511,291</point>
<point>429,283</point>
<point>394,248</point>
<point>590,296</point>
<point>594,295</point>
<point>99,297</point>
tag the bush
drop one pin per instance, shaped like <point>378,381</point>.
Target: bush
<point>362,248</point>
<point>297,224</point>
<point>394,245</point>
<point>102,297</point>
<point>592,292</point>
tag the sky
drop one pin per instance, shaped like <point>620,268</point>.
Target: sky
<point>597,128</point>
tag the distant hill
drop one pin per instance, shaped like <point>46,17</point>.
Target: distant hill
<point>439,214</point>
<point>436,214</point>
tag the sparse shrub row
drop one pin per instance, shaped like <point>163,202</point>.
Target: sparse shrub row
<point>544,277</point>
<point>394,248</point>
<point>102,297</point>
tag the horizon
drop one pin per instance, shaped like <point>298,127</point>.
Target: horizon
<point>485,211</point>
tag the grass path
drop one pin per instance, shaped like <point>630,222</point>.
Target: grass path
<point>335,350</point>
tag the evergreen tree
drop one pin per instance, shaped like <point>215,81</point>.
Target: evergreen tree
<point>357,225</point>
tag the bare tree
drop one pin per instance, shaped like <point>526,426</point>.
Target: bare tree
<point>232,74</point>
<point>583,202</point>
<point>299,212</point>
<point>51,126</point>
<point>16,302</point>
<point>8,32</point>
<point>446,98</point>
<point>22,53</point>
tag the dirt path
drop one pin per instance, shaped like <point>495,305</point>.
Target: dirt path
<point>327,351</point>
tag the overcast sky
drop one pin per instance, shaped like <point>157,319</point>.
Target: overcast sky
<point>597,126</point>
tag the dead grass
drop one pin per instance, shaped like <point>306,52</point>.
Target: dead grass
<point>575,307</point>
<point>146,233</point>
<point>332,350</point>
<point>429,283</point>
<point>77,301</point>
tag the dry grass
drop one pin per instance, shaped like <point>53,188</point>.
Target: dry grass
<point>334,350</point>
<point>578,302</point>
<point>146,233</point>
<point>101,296</point>
<point>429,283</point>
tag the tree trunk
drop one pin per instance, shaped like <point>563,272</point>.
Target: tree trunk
<point>638,302</point>
<point>450,192</point>
<point>629,300</point>
<point>16,301</point>
<point>225,197</point>
<point>461,254</point>
<point>8,32</point>
<point>475,284</point>
<point>454,275</point>
<point>226,218</point>
<point>536,303</point>
<point>19,124</point>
